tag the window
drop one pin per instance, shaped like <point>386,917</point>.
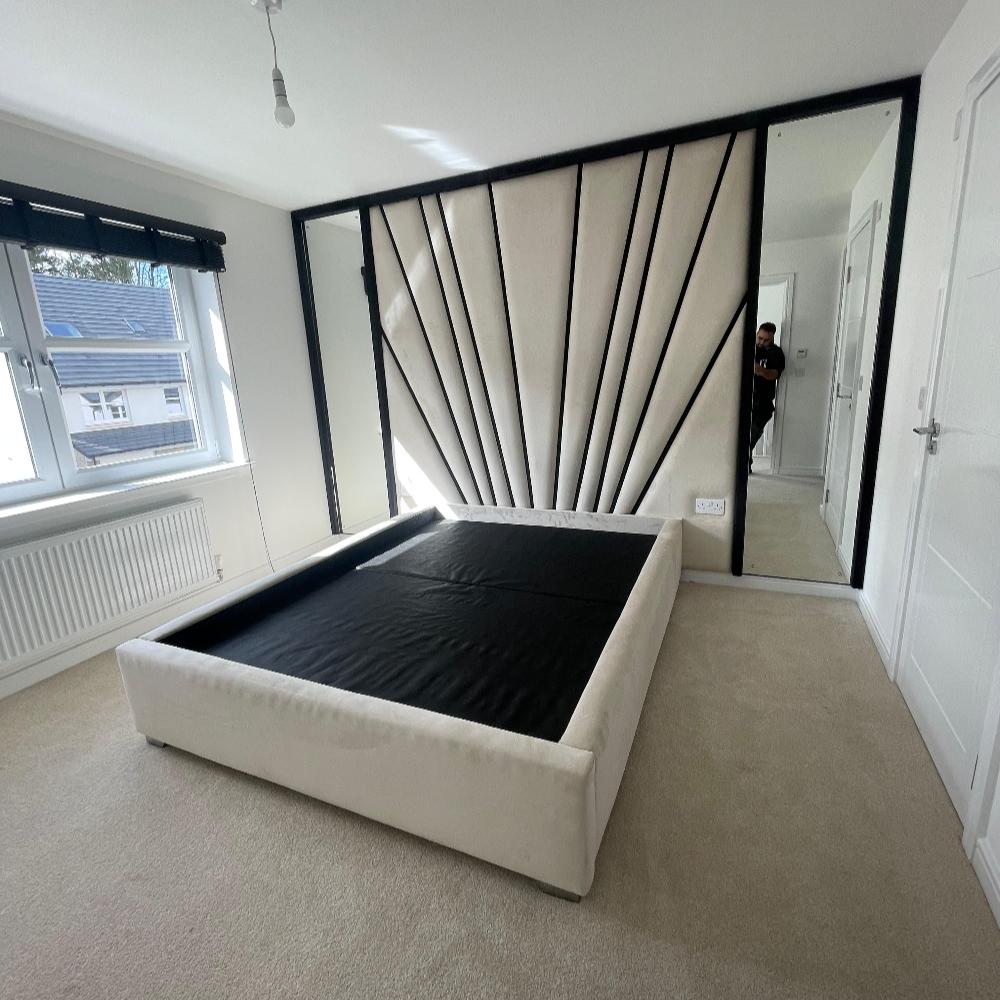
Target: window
<point>102,372</point>
<point>173,402</point>
<point>54,329</point>
<point>103,406</point>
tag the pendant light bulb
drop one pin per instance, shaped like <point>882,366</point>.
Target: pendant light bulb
<point>283,113</point>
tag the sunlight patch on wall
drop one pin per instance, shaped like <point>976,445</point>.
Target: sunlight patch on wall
<point>414,488</point>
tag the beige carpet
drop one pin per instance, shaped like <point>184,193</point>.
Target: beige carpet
<point>781,833</point>
<point>785,535</point>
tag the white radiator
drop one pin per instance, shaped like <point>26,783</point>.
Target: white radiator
<point>62,590</point>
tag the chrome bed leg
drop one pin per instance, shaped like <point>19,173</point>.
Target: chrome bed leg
<point>552,890</point>
<point>155,743</point>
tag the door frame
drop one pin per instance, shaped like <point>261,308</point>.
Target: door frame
<point>986,775</point>
<point>870,219</point>
<point>788,280</point>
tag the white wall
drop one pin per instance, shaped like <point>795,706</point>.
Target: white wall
<point>264,319</point>
<point>974,37</point>
<point>804,390</point>
<point>345,335</point>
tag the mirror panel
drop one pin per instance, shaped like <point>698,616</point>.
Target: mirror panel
<point>336,259</point>
<point>827,192</point>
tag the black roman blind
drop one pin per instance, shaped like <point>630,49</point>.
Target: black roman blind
<point>32,217</point>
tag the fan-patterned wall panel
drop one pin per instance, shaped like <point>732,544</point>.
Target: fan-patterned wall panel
<point>535,224</point>
<point>605,226</point>
<point>624,320</point>
<point>571,339</point>
<point>470,224</point>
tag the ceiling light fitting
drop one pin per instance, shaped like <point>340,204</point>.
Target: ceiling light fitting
<point>283,113</point>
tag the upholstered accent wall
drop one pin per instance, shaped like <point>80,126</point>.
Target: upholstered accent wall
<point>571,339</point>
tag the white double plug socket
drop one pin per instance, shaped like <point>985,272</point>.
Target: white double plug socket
<point>716,508</point>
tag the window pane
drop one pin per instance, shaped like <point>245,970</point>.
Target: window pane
<point>16,464</point>
<point>83,296</point>
<point>116,407</point>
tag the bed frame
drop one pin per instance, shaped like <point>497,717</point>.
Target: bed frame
<point>533,806</point>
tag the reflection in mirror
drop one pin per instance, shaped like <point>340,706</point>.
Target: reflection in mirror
<point>336,259</point>
<point>828,187</point>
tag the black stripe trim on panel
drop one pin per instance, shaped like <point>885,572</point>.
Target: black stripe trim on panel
<point>510,340</point>
<point>633,328</point>
<point>375,320</point>
<point>427,423</point>
<point>458,353</point>
<point>611,327</point>
<point>690,404</point>
<point>569,318</point>
<point>673,319</point>
<point>430,351</point>
<point>475,348</point>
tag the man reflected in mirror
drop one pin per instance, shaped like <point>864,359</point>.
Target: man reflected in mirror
<point>768,364</point>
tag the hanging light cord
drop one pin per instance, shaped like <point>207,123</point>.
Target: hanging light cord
<point>274,44</point>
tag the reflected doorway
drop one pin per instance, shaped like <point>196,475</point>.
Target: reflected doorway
<point>827,193</point>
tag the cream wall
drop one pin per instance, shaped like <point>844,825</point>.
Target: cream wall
<point>264,320</point>
<point>805,387</point>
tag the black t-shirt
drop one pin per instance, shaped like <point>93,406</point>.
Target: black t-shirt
<point>772,358</point>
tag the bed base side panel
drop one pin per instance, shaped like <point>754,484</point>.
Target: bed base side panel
<point>607,716</point>
<point>518,802</point>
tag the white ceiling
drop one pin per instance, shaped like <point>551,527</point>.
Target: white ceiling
<point>812,167</point>
<point>389,92</point>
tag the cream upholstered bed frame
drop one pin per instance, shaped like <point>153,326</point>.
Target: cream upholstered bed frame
<point>536,807</point>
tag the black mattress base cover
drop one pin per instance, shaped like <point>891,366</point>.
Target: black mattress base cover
<point>500,624</point>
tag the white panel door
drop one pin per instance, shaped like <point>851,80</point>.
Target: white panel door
<point>952,628</point>
<point>849,342</point>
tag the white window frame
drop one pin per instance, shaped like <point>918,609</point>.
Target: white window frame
<point>28,345</point>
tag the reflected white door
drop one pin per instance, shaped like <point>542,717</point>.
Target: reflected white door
<point>951,639</point>
<point>854,302</point>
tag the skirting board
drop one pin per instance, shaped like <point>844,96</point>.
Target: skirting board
<point>881,645</point>
<point>799,471</point>
<point>807,588</point>
<point>985,864</point>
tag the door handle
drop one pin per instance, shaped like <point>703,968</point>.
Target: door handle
<point>844,395</point>
<point>932,432</point>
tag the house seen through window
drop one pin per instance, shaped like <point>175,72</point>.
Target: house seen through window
<point>103,372</point>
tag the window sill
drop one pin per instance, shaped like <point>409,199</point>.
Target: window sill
<point>87,500</point>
